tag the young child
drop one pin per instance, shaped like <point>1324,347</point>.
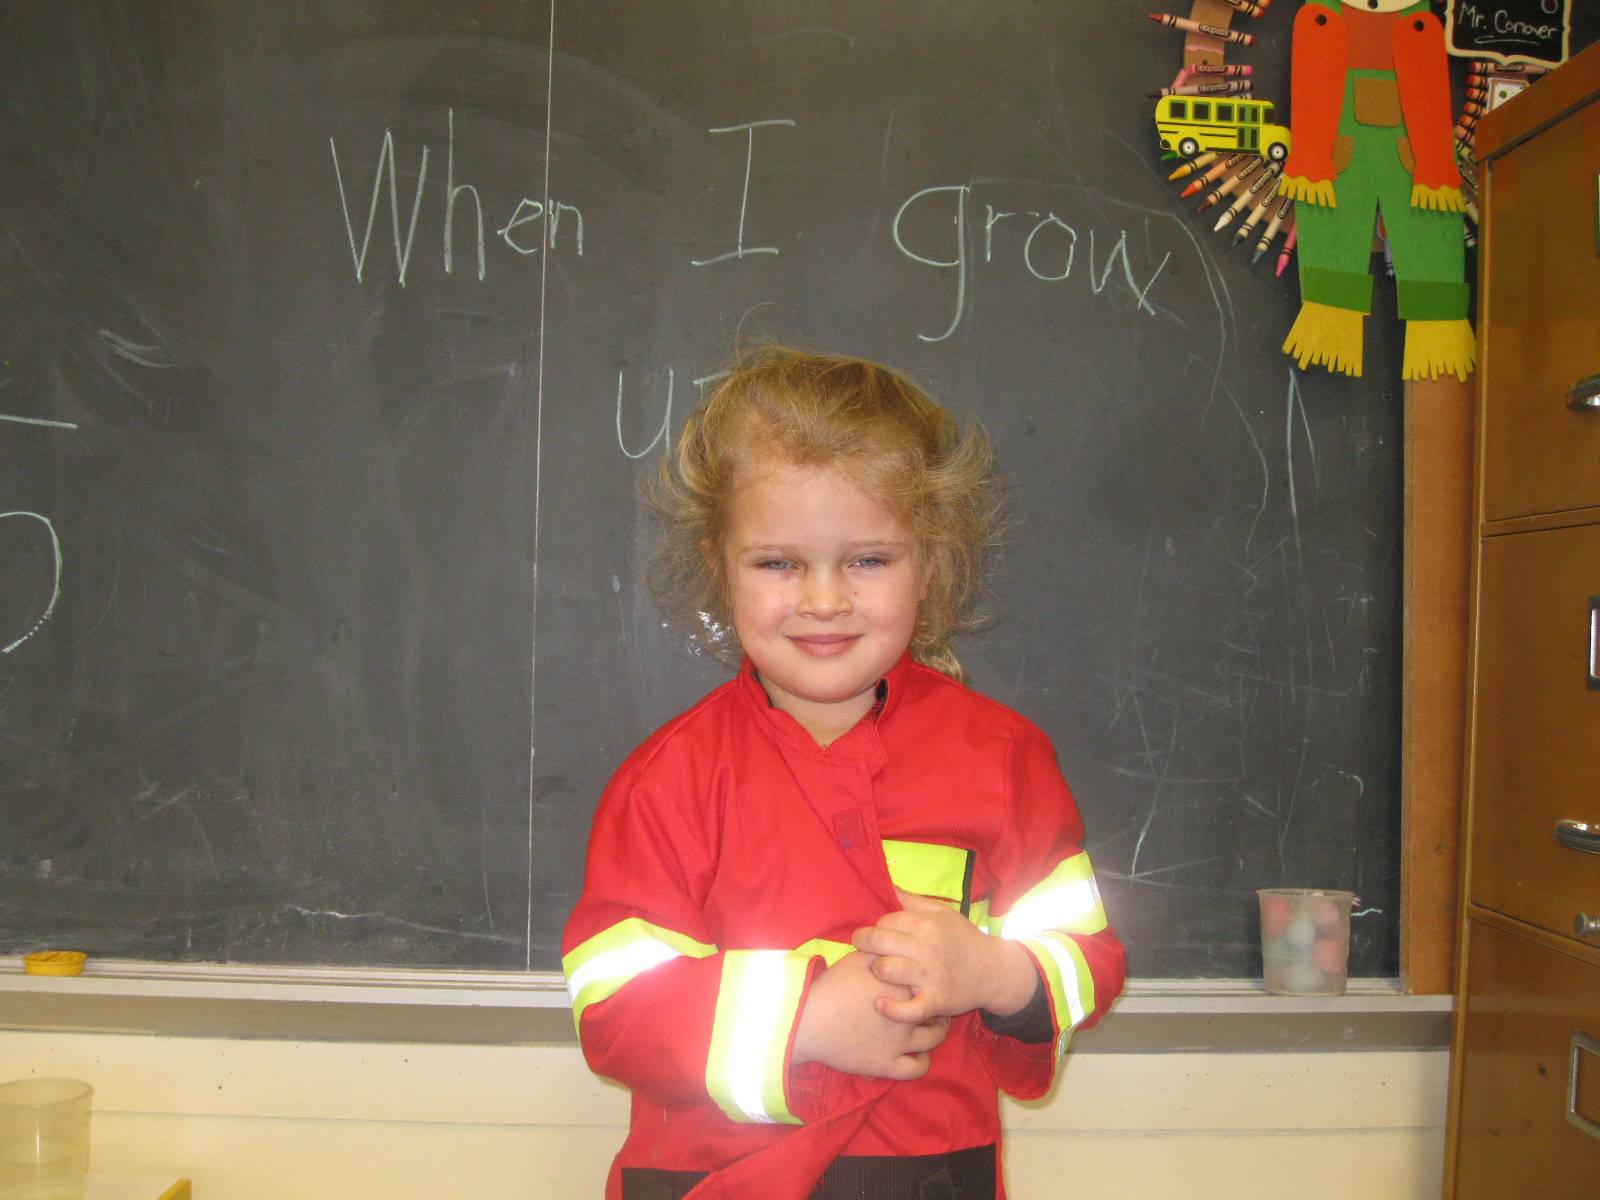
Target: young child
<point>833,907</point>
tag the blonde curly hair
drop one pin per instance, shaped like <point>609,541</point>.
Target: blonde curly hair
<point>864,420</point>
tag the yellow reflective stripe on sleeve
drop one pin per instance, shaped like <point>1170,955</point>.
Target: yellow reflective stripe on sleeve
<point>926,869</point>
<point>1067,977</point>
<point>1068,899</point>
<point>829,952</point>
<point>603,964</point>
<point>757,1005</point>
<point>979,916</point>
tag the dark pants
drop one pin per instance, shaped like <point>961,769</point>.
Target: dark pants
<point>958,1175</point>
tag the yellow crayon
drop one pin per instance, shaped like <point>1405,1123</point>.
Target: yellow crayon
<point>1253,221</point>
<point>1198,163</point>
<point>1230,186</point>
<point>1243,200</point>
<point>1285,209</point>
<point>1214,174</point>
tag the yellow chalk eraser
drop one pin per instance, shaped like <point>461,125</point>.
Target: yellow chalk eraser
<point>54,962</point>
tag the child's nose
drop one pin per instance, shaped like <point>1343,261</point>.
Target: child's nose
<point>827,594</point>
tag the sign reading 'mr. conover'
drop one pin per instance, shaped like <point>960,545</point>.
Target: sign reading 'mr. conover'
<point>1510,31</point>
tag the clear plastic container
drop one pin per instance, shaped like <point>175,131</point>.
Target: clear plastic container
<point>44,1139</point>
<point>1305,940</point>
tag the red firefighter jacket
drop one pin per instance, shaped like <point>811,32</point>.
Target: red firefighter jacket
<point>732,857</point>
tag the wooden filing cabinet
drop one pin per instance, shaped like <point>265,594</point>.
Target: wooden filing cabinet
<point>1525,1077</point>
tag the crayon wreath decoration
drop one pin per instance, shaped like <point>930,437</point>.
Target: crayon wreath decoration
<point>1371,132</point>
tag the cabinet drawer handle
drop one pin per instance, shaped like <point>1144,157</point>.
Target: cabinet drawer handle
<point>1581,1043</point>
<point>1594,644</point>
<point>1585,925</point>
<point>1585,395</point>
<point>1578,835</point>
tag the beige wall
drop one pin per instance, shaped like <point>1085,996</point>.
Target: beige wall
<point>275,1120</point>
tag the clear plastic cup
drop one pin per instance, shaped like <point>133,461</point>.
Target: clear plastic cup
<point>1305,940</point>
<point>44,1139</point>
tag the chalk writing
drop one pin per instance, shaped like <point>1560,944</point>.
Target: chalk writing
<point>1534,30</point>
<point>37,421</point>
<point>663,437</point>
<point>543,214</point>
<point>55,587</point>
<point>740,250</point>
<point>1048,251</point>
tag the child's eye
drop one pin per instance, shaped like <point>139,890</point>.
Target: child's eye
<point>872,560</point>
<point>774,564</point>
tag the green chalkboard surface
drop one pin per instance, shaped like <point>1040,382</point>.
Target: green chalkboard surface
<point>338,336</point>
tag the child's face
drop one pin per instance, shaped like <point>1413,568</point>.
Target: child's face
<point>824,583</point>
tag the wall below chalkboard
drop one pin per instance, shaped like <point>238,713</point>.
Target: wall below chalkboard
<point>338,339</point>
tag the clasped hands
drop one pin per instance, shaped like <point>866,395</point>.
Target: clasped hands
<point>881,1011</point>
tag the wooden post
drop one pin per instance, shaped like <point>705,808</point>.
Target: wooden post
<point>1438,561</point>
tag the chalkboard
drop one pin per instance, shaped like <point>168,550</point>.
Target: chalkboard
<point>1510,31</point>
<point>338,336</point>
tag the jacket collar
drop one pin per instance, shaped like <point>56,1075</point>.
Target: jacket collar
<point>859,743</point>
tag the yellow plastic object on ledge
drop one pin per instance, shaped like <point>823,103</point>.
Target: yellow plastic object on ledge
<point>136,1187</point>
<point>54,962</point>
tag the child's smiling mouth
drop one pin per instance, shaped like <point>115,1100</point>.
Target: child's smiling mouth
<point>825,645</point>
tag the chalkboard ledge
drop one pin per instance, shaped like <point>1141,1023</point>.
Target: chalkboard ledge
<point>476,1008</point>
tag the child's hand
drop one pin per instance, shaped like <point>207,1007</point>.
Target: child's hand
<point>949,964</point>
<point>841,1025</point>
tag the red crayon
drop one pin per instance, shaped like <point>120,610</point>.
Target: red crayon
<point>1219,87</point>
<point>1229,70</point>
<point>1248,7</point>
<point>1168,21</point>
<point>1288,248</point>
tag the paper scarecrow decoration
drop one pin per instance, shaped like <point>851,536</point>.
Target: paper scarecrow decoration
<point>1371,122</point>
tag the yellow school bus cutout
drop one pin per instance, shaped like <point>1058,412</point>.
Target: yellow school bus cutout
<point>1190,124</point>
